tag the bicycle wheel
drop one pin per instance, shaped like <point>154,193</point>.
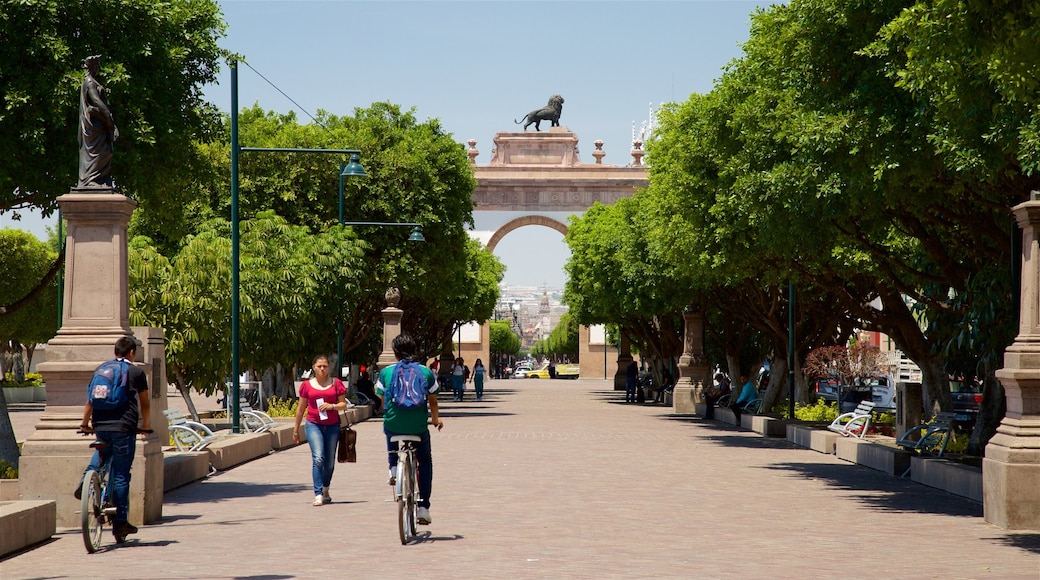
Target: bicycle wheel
<point>91,516</point>
<point>413,495</point>
<point>404,496</point>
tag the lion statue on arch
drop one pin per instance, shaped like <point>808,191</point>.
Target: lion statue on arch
<point>550,112</point>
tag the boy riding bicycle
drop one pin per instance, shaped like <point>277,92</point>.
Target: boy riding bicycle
<point>399,420</point>
<point>117,429</point>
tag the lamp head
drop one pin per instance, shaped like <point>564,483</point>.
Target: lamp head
<point>416,235</point>
<point>354,168</point>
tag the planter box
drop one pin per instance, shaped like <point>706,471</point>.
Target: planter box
<point>956,478</point>
<point>891,460</point>
<point>19,394</point>
<point>815,438</point>
<point>24,523</point>
<point>39,394</point>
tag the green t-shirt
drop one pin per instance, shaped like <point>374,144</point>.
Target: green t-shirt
<point>404,421</point>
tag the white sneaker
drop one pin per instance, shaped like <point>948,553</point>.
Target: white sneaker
<point>317,501</point>
<point>325,497</point>
<point>393,476</point>
<point>423,517</point>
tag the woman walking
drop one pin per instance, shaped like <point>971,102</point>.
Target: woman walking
<point>478,379</point>
<point>458,378</point>
<point>321,398</point>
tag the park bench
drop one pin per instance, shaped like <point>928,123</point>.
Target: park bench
<point>253,420</point>
<point>929,439</point>
<point>855,423</point>
<point>188,435</point>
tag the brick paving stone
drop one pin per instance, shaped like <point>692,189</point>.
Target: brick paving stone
<point>560,479</point>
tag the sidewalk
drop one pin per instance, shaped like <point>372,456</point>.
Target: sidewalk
<point>559,479</point>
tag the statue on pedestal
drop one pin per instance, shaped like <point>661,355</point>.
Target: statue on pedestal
<point>97,129</point>
<point>550,112</point>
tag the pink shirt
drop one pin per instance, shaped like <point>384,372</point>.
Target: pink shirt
<point>331,394</point>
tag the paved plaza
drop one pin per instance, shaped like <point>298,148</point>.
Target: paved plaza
<point>560,479</point>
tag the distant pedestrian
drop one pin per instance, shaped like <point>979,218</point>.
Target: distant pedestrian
<point>631,375</point>
<point>459,374</point>
<point>478,379</point>
<point>748,393</point>
<point>321,399</point>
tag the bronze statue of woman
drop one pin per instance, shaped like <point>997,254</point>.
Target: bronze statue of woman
<point>97,129</point>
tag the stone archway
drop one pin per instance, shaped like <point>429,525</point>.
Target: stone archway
<point>527,220</point>
<point>542,172</point>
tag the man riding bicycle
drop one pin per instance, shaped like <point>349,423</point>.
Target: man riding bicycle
<point>410,421</point>
<point>117,429</point>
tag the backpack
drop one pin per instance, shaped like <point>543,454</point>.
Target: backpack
<point>407,385</point>
<point>107,390</point>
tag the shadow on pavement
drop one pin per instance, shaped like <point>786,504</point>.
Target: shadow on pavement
<point>883,491</point>
<point>213,489</point>
<point>429,538</point>
<point>1023,541</point>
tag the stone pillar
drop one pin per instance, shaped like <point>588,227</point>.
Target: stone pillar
<point>693,366</point>
<point>95,314</point>
<point>623,360</point>
<point>391,327</point>
<point>1011,468</point>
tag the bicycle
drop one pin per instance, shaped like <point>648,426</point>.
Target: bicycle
<point>406,486</point>
<point>96,507</point>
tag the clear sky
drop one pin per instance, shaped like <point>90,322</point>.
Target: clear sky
<point>479,65</point>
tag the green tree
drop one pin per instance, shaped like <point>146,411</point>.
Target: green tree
<point>971,69</point>
<point>292,284</point>
<point>29,262</point>
<point>417,173</point>
<point>156,58</point>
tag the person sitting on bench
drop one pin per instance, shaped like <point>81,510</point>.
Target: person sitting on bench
<point>748,393</point>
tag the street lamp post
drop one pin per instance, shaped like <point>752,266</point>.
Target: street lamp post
<point>415,236</point>
<point>351,169</point>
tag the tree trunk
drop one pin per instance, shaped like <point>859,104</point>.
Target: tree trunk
<point>993,409</point>
<point>777,379</point>
<point>8,443</point>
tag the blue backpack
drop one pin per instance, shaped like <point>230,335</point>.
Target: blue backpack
<point>407,385</point>
<point>107,390</point>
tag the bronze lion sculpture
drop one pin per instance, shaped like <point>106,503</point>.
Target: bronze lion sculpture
<point>550,112</point>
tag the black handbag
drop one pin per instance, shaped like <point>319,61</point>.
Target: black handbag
<point>346,452</point>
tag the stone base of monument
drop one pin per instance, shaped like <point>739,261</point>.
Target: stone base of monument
<point>54,457</point>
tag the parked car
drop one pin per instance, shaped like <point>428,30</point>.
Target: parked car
<point>567,371</point>
<point>521,369</point>
<point>539,373</point>
<point>967,399</point>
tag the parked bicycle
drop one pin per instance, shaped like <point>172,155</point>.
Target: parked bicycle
<point>406,486</point>
<point>96,506</point>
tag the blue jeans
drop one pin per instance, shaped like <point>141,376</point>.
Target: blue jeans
<point>424,455</point>
<point>630,390</point>
<point>458,385</point>
<point>120,452</point>
<point>478,385</point>
<point>322,440</point>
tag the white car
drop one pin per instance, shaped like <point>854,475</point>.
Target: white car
<point>520,372</point>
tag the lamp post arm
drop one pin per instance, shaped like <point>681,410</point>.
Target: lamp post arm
<point>409,224</point>
<point>295,150</point>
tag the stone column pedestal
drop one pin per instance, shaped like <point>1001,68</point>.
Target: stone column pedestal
<point>95,314</point>
<point>693,367</point>
<point>623,360</point>
<point>391,329</point>
<point>1011,468</point>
